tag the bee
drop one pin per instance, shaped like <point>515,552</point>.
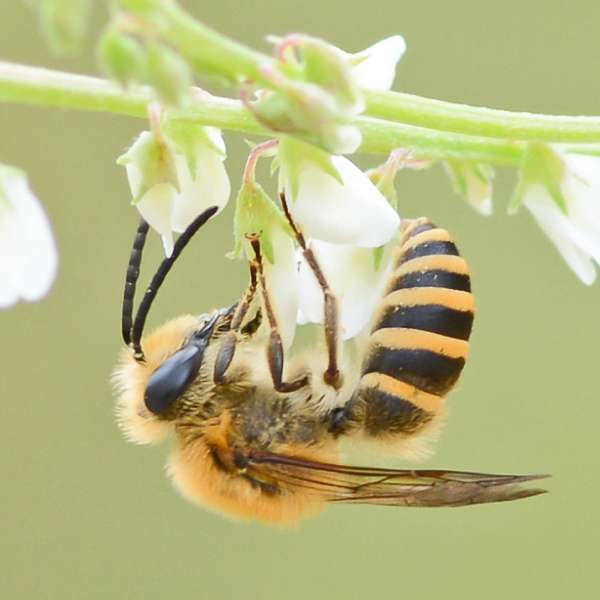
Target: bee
<point>254,439</point>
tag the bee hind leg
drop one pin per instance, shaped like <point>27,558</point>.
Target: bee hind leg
<point>275,353</point>
<point>229,341</point>
<point>332,375</point>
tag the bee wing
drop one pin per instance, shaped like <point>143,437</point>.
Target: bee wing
<point>392,487</point>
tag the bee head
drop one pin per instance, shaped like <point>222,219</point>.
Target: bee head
<point>154,372</point>
<point>174,355</point>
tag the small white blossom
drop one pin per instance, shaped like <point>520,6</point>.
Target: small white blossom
<point>575,232</point>
<point>283,284</point>
<point>28,256</point>
<point>333,199</point>
<point>170,201</point>
<point>345,219</point>
<point>375,67</point>
<point>355,278</point>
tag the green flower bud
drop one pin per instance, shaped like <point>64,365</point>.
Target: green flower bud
<point>122,58</point>
<point>168,73</point>
<point>326,66</point>
<point>64,22</point>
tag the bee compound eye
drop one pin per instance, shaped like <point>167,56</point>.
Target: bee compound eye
<point>172,378</point>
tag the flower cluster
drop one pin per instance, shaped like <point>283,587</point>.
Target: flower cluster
<point>312,92</point>
<point>345,217</point>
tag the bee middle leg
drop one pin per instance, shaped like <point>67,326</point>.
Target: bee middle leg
<point>228,345</point>
<point>332,375</point>
<point>275,353</point>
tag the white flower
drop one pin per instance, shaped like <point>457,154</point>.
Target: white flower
<point>334,200</point>
<point>283,284</point>
<point>345,219</point>
<point>28,256</point>
<point>576,234</point>
<point>171,200</point>
<point>355,278</point>
<point>375,67</point>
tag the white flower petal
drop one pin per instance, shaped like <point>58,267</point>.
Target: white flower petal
<point>282,285</point>
<point>351,274</point>
<point>354,212</point>
<point>210,188</point>
<point>28,256</point>
<point>584,214</point>
<point>156,207</point>
<point>561,233</point>
<point>216,137</point>
<point>378,70</point>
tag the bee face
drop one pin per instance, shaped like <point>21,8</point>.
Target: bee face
<point>173,356</point>
<point>131,378</point>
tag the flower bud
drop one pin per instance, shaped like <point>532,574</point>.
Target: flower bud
<point>305,109</point>
<point>323,65</point>
<point>168,73</point>
<point>122,58</point>
<point>64,23</point>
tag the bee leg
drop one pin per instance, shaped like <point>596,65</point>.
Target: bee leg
<point>275,354</point>
<point>229,340</point>
<point>332,375</point>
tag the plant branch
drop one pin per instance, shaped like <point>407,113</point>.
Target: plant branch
<point>214,53</point>
<point>33,85</point>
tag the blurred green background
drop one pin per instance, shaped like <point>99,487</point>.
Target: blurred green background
<point>86,515</point>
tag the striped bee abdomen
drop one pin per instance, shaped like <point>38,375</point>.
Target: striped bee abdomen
<point>419,341</point>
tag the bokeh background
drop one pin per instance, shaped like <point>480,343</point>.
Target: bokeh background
<point>86,515</point>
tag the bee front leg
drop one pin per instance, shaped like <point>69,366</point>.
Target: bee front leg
<point>332,375</point>
<point>229,342</point>
<point>275,353</point>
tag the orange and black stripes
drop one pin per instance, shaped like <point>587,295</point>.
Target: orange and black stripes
<point>419,340</point>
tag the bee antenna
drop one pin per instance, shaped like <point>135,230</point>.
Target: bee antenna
<point>133,272</point>
<point>159,277</point>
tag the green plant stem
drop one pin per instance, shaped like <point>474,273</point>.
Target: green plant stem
<point>33,85</point>
<point>214,53</point>
<point>447,116</point>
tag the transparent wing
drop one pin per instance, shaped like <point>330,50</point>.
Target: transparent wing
<point>393,487</point>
